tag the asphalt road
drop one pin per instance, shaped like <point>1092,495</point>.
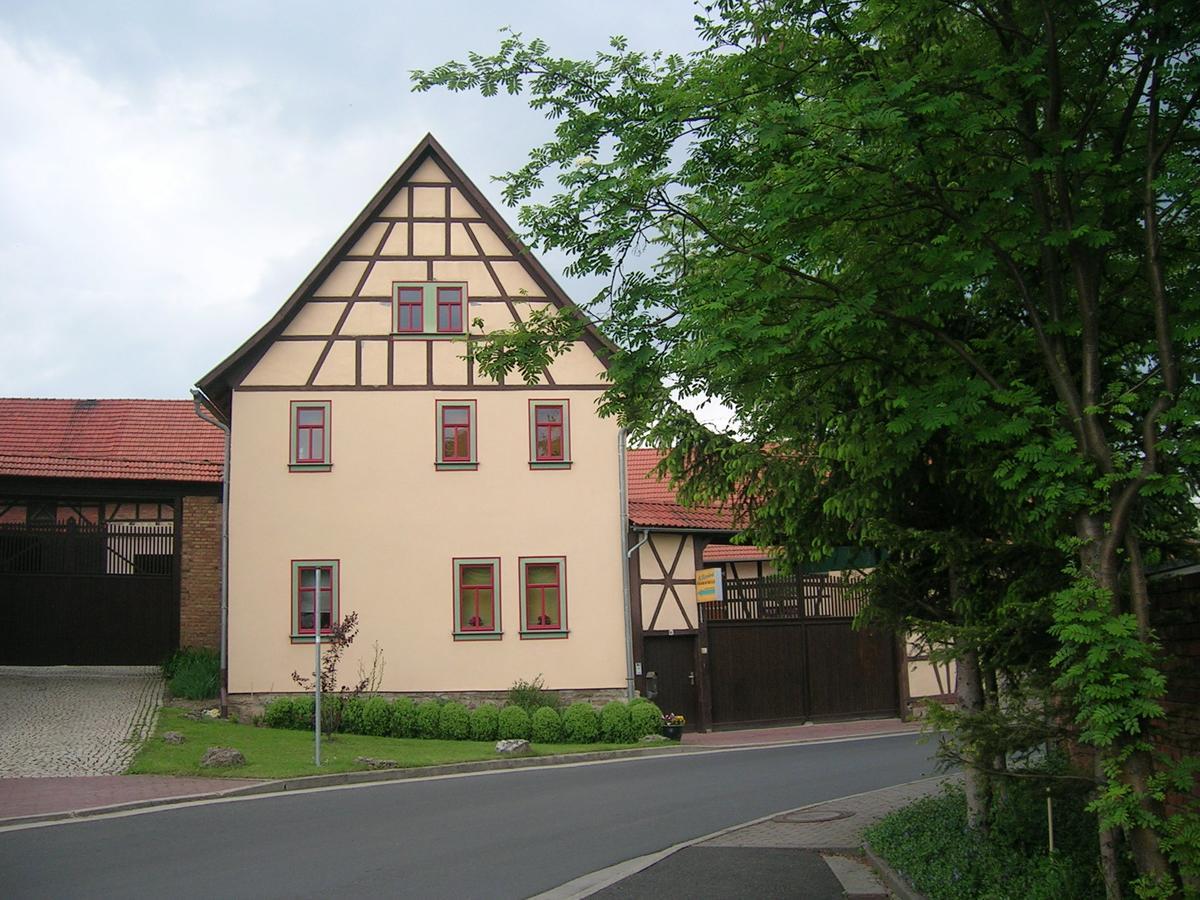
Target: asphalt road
<point>501,834</point>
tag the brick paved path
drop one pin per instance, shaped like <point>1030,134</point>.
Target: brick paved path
<point>75,720</point>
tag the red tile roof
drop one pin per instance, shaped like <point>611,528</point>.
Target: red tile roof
<point>735,553</point>
<point>144,440</point>
<point>653,504</point>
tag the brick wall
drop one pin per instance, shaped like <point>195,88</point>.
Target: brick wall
<point>200,573</point>
<point>1175,609</point>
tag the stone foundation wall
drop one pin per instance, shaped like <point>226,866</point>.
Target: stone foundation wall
<point>200,573</point>
<point>249,705</point>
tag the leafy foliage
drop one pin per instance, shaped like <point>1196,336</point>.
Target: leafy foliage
<point>513,724</point>
<point>194,673</point>
<point>580,723</point>
<point>377,717</point>
<point>546,726</point>
<point>454,722</point>
<point>428,715</point>
<point>615,724</point>
<point>645,718</point>
<point>404,718</point>
<point>485,722</point>
<point>532,695</point>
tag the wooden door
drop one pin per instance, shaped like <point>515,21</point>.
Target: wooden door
<point>670,668</point>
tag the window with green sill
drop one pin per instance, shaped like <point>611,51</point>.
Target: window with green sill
<point>457,435</point>
<point>429,308</point>
<point>549,434</point>
<point>310,435</point>
<point>543,596</point>
<point>477,599</point>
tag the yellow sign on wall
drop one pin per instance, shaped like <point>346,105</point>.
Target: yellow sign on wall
<point>709,585</point>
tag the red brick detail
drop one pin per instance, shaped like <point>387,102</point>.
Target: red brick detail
<point>200,573</point>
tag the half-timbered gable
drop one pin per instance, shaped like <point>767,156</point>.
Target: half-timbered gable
<point>472,524</point>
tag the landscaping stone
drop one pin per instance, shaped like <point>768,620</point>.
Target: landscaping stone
<point>173,737</point>
<point>371,763</point>
<point>222,758</point>
<point>655,739</point>
<point>512,746</point>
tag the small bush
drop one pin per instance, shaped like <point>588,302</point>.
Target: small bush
<point>637,701</point>
<point>485,723</point>
<point>532,695</point>
<point>194,673</point>
<point>514,723</point>
<point>352,715</point>
<point>377,717</point>
<point>644,718</point>
<point>302,712</point>
<point>580,724</point>
<point>546,726</point>
<point>428,714</point>
<point>454,723</point>
<point>404,718</point>
<point>615,726</point>
<point>278,713</point>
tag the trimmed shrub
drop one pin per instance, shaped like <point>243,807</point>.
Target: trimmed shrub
<point>644,718</point>
<point>377,717</point>
<point>352,715</point>
<point>428,714</point>
<point>532,695</point>
<point>278,713</point>
<point>615,726</point>
<point>485,723</point>
<point>546,726</point>
<point>404,718</point>
<point>454,722</point>
<point>194,673</point>
<point>302,712</point>
<point>514,723</point>
<point>580,724</point>
<point>637,701</point>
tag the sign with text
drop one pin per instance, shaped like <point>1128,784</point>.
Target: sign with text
<point>709,585</point>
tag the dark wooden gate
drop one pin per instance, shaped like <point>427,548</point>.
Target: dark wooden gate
<point>670,667</point>
<point>86,594</point>
<point>783,648</point>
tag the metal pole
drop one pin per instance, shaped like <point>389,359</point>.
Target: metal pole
<point>628,609</point>
<point>317,672</point>
<point>1050,820</point>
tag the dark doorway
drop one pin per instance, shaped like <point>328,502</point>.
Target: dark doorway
<point>670,667</point>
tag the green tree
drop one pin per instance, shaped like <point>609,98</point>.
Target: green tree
<point>895,233</point>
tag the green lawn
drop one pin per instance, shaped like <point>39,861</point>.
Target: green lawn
<point>277,753</point>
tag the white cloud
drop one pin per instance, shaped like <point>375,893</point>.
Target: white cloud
<point>147,230</point>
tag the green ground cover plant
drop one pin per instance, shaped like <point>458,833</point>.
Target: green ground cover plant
<point>193,673</point>
<point>288,753</point>
<point>930,844</point>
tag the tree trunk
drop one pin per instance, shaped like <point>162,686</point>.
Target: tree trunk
<point>1110,840</point>
<point>970,702</point>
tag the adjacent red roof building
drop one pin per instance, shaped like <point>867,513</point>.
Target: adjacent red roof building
<point>141,440</point>
<point>653,504</point>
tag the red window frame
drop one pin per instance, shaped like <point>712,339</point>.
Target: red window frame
<point>304,436</point>
<point>475,622</point>
<point>415,309</point>
<point>550,428</point>
<point>534,623</point>
<point>462,435</point>
<point>301,590</point>
<point>453,307</point>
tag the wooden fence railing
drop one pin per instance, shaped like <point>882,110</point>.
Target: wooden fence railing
<point>786,597</point>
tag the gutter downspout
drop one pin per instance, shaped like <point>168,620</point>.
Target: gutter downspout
<point>628,555</point>
<point>202,404</point>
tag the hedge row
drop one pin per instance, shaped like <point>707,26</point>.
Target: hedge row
<point>617,723</point>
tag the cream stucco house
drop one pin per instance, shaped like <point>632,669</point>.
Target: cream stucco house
<point>474,526</point>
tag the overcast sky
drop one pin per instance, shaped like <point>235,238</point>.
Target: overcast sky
<point>171,171</point>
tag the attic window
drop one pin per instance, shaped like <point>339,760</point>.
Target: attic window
<point>429,308</point>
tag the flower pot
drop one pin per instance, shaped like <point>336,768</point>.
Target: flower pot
<point>674,732</point>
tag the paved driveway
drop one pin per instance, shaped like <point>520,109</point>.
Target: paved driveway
<point>74,720</point>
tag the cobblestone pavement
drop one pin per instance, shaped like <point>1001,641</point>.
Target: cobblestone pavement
<point>75,720</point>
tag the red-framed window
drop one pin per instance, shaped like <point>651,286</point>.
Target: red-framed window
<point>316,593</point>
<point>477,596</point>
<point>543,594</point>
<point>456,433</point>
<point>549,421</point>
<point>449,310</point>
<point>309,438</point>
<point>410,309</point>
